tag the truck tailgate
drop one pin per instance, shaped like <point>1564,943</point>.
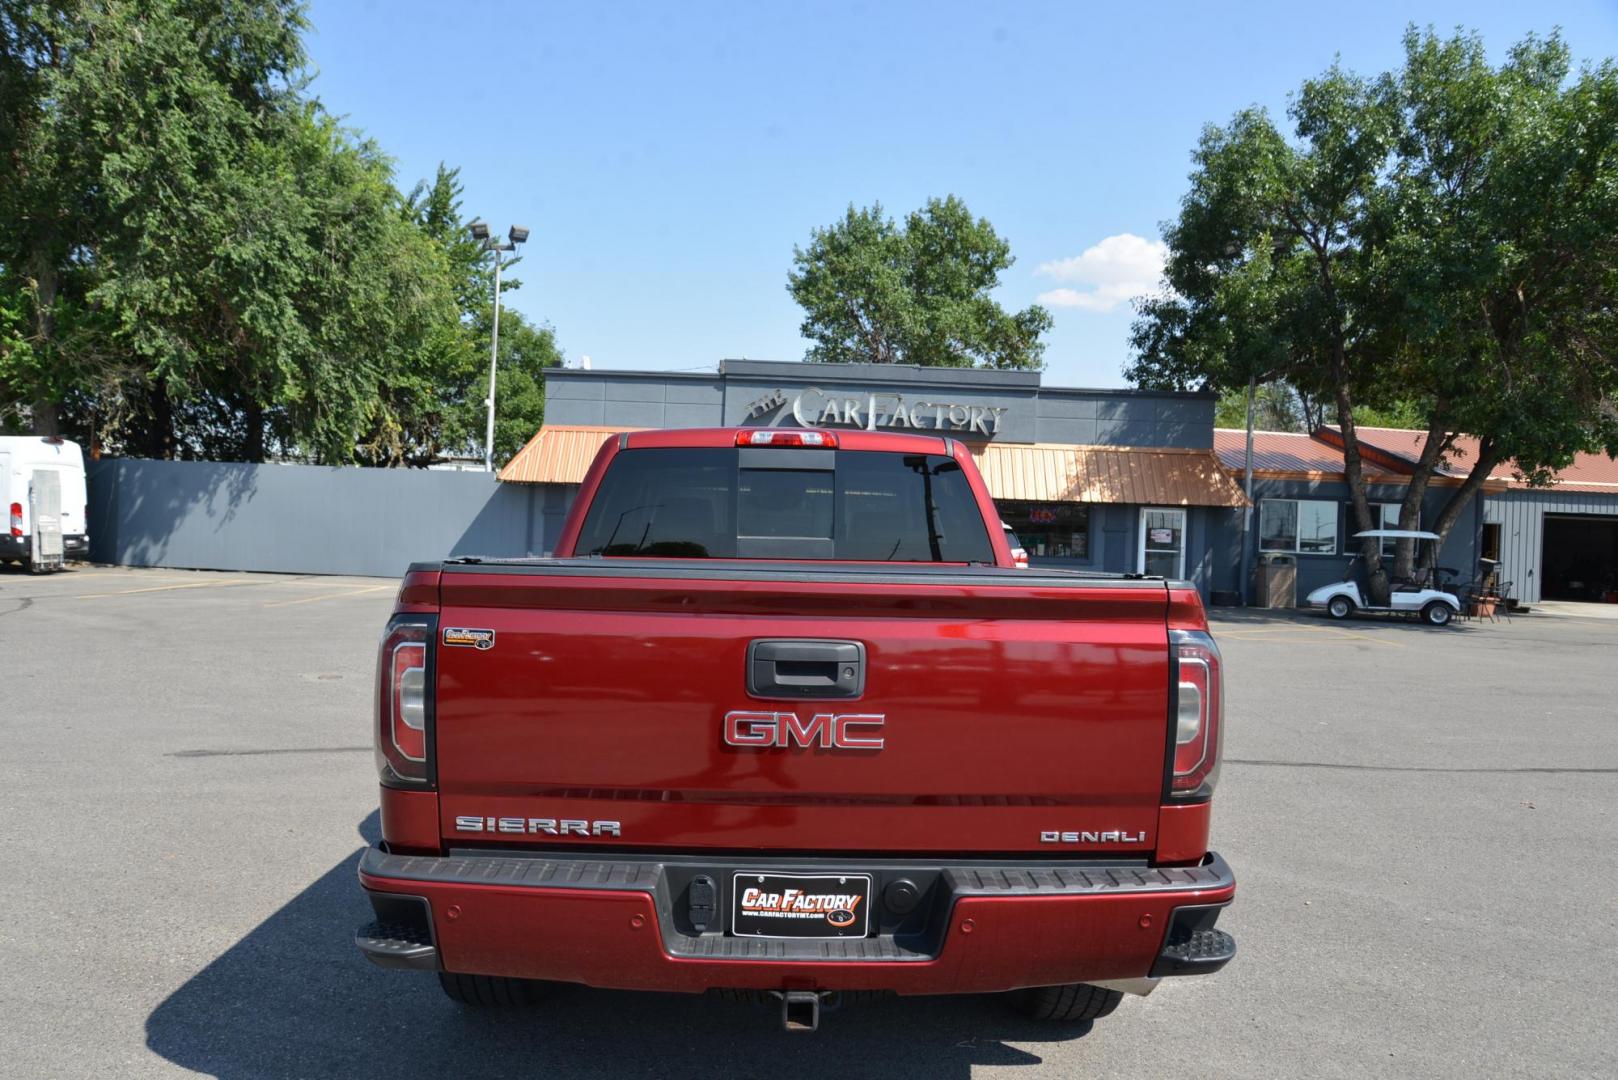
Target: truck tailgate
<point>1019,711</point>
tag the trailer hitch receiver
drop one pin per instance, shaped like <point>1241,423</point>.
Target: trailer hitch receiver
<point>800,1009</point>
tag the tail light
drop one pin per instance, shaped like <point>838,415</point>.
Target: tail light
<point>404,703</point>
<point>1198,715</point>
<point>16,519</point>
<point>774,437</point>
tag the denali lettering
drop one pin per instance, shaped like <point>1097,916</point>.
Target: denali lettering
<point>830,731</point>
<point>1111,836</point>
<point>547,826</point>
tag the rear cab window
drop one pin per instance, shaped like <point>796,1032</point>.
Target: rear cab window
<point>785,503</point>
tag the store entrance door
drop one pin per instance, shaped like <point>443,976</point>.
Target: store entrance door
<point>1162,542</point>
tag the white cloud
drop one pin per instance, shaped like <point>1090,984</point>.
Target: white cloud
<point>1109,274</point>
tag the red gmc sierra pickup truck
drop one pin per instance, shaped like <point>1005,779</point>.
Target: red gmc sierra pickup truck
<point>780,716</point>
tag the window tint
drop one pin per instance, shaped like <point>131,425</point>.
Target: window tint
<point>675,503</point>
<point>908,508</point>
<point>785,502</point>
<point>695,503</point>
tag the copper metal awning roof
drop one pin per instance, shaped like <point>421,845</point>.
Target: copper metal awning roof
<point>1144,476</point>
<point>558,454</point>
<point>1034,473</point>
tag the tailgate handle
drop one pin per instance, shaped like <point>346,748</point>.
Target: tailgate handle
<point>801,668</point>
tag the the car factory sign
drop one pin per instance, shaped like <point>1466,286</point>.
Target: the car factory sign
<point>814,407</point>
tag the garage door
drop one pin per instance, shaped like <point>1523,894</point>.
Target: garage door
<point>1580,558</point>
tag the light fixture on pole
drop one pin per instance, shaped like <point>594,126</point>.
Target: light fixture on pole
<point>480,232</point>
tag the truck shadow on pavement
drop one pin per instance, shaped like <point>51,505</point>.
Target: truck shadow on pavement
<point>294,998</point>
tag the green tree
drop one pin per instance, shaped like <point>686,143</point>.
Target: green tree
<point>254,259</point>
<point>433,405</point>
<point>1278,406</point>
<point>46,175</point>
<point>122,119</point>
<point>1438,243</point>
<point>526,351</point>
<point>1275,408</point>
<point>874,291</point>
<point>198,261</point>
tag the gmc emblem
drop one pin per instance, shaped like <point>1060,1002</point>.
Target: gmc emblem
<point>830,731</point>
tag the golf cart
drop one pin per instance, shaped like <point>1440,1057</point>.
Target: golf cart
<point>1435,606</point>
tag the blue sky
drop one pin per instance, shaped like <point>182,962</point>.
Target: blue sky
<point>668,156</point>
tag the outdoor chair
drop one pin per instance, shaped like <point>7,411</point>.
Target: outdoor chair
<point>1466,595</point>
<point>1502,597</point>
<point>1484,603</point>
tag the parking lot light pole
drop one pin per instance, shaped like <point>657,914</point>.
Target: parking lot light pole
<point>1247,511</point>
<point>517,235</point>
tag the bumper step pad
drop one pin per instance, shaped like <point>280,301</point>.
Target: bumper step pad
<point>1202,952</point>
<point>395,945</point>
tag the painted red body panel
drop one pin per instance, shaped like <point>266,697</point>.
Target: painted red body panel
<point>410,821</point>
<point>1010,710</point>
<point>612,939</point>
<point>1182,833</point>
<point>418,593</point>
<point>1186,611</point>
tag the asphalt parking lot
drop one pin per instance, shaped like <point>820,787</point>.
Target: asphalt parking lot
<point>1422,824</point>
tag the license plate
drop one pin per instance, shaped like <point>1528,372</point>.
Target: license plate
<point>801,905</point>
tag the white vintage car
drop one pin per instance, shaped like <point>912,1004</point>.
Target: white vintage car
<point>1343,598</point>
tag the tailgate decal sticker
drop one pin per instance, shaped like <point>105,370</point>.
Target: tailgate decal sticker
<point>469,639</point>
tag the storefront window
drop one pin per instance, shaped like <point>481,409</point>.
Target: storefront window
<point>1299,525</point>
<point>1050,530</point>
<point>1383,516</point>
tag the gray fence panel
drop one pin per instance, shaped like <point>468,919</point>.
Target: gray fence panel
<point>309,519</point>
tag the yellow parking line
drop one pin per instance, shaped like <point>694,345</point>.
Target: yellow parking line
<point>163,578</point>
<point>1328,631</point>
<point>331,596</point>
<point>1258,631</point>
<point>165,588</point>
<point>1367,637</point>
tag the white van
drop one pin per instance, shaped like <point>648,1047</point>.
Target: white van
<point>21,456</point>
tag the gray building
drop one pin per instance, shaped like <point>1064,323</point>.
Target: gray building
<point>1303,509</point>
<point>1557,541</point>
<point>1114,480</point>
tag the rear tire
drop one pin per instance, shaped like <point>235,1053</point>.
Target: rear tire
<point>488,991</point>
<point>1437,613</point>
<point>1072,1001</point>
<point>1339,607</point>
